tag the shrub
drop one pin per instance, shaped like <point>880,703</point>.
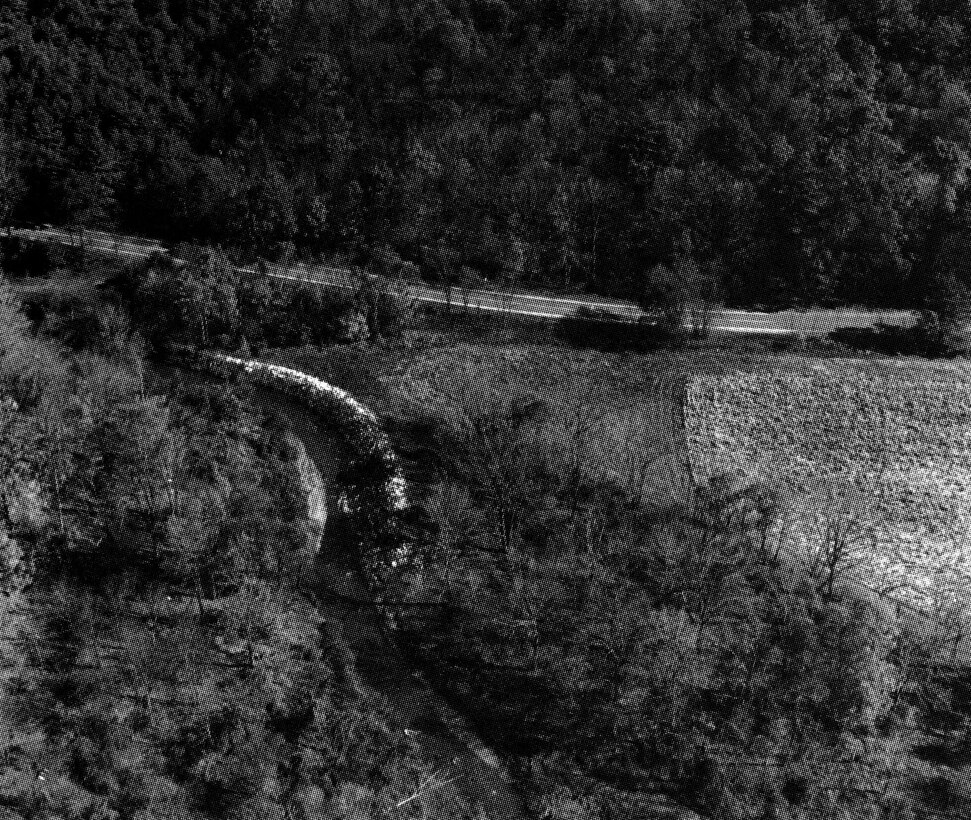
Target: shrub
<point>930,337</point>
<point>386,310</point>
<point>939,334</point>
<point>81,325</point>
<point>308,316</point>
<point>946,317</point>
<point>610,332</point>
<point>681,298</point>
<point>22,257</point>
<point>664,298</point>
<point>207,303</point>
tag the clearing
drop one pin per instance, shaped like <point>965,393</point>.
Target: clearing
<point>877,452</point>
<point>624,408</point>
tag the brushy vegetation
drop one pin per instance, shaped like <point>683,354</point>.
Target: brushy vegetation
<point>610,332</point>
<point>875,457</point>
<point>626,414</point>
<point>375,492</point>
<point>619,642</point>
<point>933,336</point>
<point>208,303</point>
<point>166,658</point>
<point>628,642</point>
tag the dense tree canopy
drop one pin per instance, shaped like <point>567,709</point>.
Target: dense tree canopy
<point>793,150</point>
<point>169,660</point>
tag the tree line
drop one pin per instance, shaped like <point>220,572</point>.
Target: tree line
<point>781,152</point>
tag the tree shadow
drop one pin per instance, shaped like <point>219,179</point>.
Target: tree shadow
<point>893,340</point>
<point>609,332</point>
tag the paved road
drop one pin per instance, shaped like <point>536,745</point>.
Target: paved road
<point>489,301</point>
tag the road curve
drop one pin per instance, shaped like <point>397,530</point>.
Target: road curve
<point>790,322</point>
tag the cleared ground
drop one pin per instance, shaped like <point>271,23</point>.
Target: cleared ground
<point>877,453</point>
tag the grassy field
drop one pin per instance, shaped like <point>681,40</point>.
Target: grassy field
<point>632,405</point>
<point>876,451</point>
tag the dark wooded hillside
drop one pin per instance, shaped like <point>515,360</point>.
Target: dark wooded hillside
<point>790,151</point>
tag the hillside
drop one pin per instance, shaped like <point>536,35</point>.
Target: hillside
<point>577,620</point>
<point>784,151</point>
<point>163,653</point>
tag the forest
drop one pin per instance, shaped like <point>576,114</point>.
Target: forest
<point>626,643</point>
<point>776,152</point>
<point>163,654</point>
<point>628,654</point>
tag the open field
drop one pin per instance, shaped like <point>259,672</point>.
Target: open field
<point>633,402</point>
<point>882,445</point>
<point>878,452</point>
